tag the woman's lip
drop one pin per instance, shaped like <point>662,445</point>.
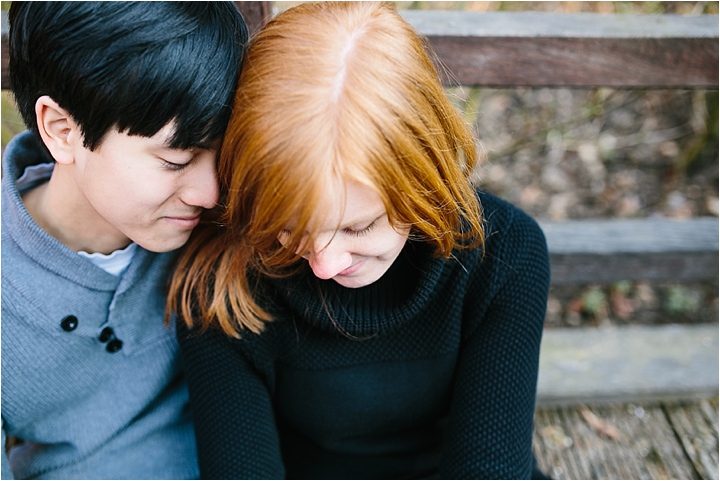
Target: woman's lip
<point>351,270</point>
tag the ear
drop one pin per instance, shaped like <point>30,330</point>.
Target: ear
<point>57,129</point>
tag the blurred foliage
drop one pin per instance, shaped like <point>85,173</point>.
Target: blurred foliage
<point>594,301</point>
<point>12,123</point>
<point>681,300</point>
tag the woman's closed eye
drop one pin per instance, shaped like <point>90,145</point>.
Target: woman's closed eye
<point>360,232</point>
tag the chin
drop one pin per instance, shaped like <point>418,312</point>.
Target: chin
<point>354,282</point>
<point>162,246</point>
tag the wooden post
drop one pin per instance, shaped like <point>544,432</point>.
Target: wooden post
<point>255,14</point>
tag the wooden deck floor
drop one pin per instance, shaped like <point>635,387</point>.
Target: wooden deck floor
<point>629,441</point>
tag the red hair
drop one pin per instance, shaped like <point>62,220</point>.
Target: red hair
<point>329,91</point>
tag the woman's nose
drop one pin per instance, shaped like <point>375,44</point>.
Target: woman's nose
<point>328,261</point>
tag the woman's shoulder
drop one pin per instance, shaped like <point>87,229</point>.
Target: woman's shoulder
<point>508,225</point>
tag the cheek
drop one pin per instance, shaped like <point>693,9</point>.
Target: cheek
<point>388,245</point>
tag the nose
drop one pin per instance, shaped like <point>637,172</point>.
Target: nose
<point>328,261</point>
<point>201,189</point>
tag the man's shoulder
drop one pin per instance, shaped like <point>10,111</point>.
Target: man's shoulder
<point>23,151</point>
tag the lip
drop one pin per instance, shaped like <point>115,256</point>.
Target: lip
<point>184,222</point>
<point>351,270</point>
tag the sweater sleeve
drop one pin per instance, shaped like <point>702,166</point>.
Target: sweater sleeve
<point>491,419</point>
<point>232,409</point>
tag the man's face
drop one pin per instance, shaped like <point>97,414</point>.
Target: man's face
<point>138,189</point>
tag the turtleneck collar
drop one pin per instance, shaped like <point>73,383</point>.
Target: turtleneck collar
<point>399,295</point>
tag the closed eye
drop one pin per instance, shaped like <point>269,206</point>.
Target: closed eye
<point>361,232</point>
<point>173,166</point>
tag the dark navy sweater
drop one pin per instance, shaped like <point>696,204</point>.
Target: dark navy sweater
<point>429,372</point>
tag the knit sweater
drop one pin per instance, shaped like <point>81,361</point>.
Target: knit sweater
<point>429,372</point>
<point>86,408</point>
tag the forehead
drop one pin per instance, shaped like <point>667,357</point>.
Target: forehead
<point>346,203</point>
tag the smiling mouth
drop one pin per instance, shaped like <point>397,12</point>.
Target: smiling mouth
<point>351,270</point>
<point>184,222</point>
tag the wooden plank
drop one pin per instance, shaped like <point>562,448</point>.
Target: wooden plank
<point>572,443</point>
<point>602,251</point>
<point>555,450</point>
<point>698,436</point>
<point>709,408</point>
<point>579,62</point>
<point>608,268</point>
<point>462,23</point>
<point>255,14</point>
<point>573,50</point>
<point>626,364</point>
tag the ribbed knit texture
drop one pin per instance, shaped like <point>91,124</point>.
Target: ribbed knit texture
<point>429,372</point>
<point>85,412</point>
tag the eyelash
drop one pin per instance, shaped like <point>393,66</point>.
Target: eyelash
<point>354,233</point>
<point>361,232</point>
<point>175,167</point>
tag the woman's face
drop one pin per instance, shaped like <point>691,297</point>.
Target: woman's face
<point>355,244</point>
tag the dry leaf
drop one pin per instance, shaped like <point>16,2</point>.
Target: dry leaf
<point>600,425</point>
<point>621,305</point>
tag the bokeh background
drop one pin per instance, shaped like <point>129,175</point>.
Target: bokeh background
<point>563,153</point>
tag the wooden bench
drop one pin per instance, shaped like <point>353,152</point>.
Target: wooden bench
<point>504,49</point>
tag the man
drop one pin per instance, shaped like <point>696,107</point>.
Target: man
<point>126,104</point>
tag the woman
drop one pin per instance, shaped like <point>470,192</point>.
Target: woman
<point>353,314</point>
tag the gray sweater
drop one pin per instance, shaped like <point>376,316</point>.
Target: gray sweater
<point>88,401</point>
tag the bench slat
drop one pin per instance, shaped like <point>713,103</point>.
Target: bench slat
<point>506,49</point>
<point>628,364</point>
<point>573,50</point>
<point>603,251</point>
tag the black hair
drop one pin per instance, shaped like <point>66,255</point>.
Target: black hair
<point>133,66</point>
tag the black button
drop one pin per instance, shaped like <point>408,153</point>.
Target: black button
<point>106,334</point>
<point>69,323</point>
<point>114,346</point>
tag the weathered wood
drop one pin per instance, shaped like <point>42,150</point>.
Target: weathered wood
<point>255,14</point>
<point>606,268</point>
<point>573,50</point>
<point>463,23</point>
<point>644,445</point>
<point>554,449</point>
<point>709,408</point>
<point>579,62</point>
<point>603,251</point>
<point>625,364</point>
<point>698,436</point>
